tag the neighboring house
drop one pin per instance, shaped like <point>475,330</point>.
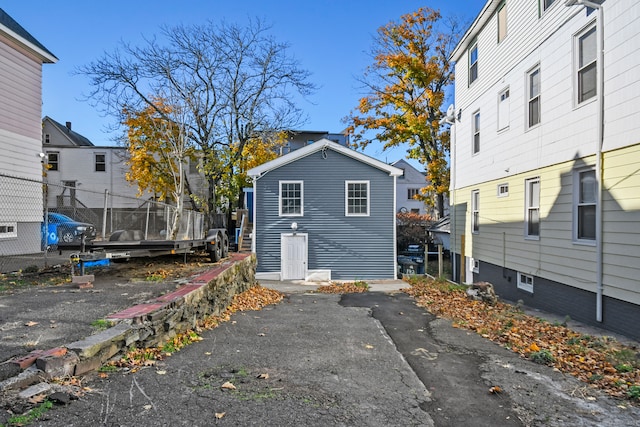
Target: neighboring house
<point>545,175</point>
<point>297,139</point>
<point>21,59</point>
<point>82,175</point>
<point>325,212</point>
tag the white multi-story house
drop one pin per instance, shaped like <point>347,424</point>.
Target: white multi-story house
<point>545,183</point>
<point>21,60</point>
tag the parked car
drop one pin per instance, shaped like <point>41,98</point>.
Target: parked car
<point>66,231</point>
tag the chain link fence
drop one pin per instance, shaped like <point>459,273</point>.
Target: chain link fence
<point>42,224</point>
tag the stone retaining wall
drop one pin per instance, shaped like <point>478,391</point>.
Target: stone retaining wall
<point>146,325</point>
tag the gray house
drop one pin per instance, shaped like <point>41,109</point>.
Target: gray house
<point>325,212</point>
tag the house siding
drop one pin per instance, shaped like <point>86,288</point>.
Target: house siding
<point>351,247</point>
<point>619,316</point>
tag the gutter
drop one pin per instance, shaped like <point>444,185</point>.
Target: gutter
<point>599,145</point>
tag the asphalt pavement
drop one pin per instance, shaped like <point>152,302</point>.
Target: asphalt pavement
<point>371,359</point>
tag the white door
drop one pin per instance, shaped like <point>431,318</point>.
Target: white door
<point>293,251</point>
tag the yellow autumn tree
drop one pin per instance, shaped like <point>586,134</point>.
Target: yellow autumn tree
<point>158,150</point>
<point>405,88</point>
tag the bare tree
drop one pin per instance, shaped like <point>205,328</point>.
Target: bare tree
<point>232,83</point>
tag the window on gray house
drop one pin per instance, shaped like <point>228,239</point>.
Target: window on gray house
<point>412,193</point>
<point>357,198</point>
<point>291,203</point>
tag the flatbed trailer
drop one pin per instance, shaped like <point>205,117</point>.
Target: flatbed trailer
<point>216,244</point>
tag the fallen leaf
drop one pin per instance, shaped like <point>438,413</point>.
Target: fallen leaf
<point>228,386</point>
<point>31,323</point>
<point>495,390</point>
<point>147,407</point>
<point>103,375</point>
<point>263,376</point>
<point>261,334</point>
<point>38,398</point>
<point>368,346</point>
<point>161,372</point>
<point>219,415</point>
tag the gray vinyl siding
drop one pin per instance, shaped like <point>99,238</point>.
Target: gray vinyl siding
<point>351,247</point>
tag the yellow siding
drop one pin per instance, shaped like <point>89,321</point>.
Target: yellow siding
<point>555,256</point>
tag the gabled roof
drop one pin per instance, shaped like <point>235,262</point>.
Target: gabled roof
<point>14,31</point>
<point>481,20</point>
<point>317,146</point>
<point>74,137</point>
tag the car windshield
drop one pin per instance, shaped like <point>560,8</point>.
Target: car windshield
<point>59,218</point>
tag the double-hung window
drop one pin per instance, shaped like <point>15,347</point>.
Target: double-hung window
<point>100,162</point>
<point>53,160</point>
<point>585,202</point>
<point>475,211</point>
<point>412,193</point>
<point>291,198</point>
<point>357,198</point>
<point>532,208</point>
<point>473,63</point>
<point>476,132</point>
<point>533,96</point>
<point>586,61</point>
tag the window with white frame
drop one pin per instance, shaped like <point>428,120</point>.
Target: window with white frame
<point>503,109</point>
<point>47,138</point>
<point>545,4</point>
<point>533,97</point>
<point>100,162</point>
<point>525,282</point>
<point>291,198</point>
<point>586,62</point>
<point>502,22</point>
<point>473,63</point>
<point>53,160</point>
<point>532,208</point>
<point>503,190</point>
<point>8,230</point>
<point>412,193</point>
<point>474,265</point>
<point>585,202</point>
<point>475,211</point>
<point>476,132</point>
<point>357,198</point>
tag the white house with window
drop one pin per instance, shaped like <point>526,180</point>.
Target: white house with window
<point>545,187</point>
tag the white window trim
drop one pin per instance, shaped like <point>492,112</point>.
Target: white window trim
<point>505,193</point>
<point>280,198</point>
<point>507,115</point>
<point>528,208</point>
<point>474,45</point>
<point>576,203</point>
<point>474,265</point>
<point>346,198</point>
<point>57,162</point>
<point>475,131</point>
<point>528,97</point>
<point>576,65</point>
<point>526,284</point>
<point>475,208</point>
<point>9,234</point>
<point>543,10</point>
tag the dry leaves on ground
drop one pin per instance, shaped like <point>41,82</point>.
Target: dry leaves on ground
<point>602,362</point>
<point>254,299</point>
<point>343,288</point>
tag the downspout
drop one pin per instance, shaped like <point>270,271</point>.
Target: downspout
<point>599,145</point>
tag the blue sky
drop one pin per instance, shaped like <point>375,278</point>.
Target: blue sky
<point>330,38</point>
